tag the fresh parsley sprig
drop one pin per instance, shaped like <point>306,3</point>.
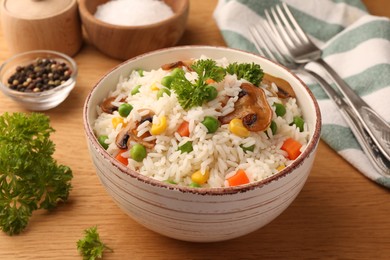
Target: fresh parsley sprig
<point>195,94</point>
<point>249,71</point>
<point>208,69</point>
<point>30,178</point>
<point>91,246</point>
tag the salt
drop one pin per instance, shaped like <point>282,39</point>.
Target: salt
<point>133,12</point>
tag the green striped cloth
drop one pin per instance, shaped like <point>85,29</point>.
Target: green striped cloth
<point>355,43</point>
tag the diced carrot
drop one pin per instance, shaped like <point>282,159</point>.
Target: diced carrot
<point>292,147</point>
<point>122,159</point>
<point>209,81</point>
<point>239,178</point>
<point>184,129</point>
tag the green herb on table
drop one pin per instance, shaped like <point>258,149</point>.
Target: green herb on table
<point>195,94</point>
<point>91,247</point>
<point>249,71</point>
<point>30,178</point>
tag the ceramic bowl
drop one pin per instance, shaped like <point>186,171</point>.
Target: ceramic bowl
<point>123,42</point>
<point>201,214</point>
<point>38,101</point>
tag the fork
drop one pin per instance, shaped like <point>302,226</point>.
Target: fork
<point>266,45</point>
<point>292,40</point>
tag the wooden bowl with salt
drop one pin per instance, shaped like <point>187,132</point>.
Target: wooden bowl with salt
<point>121,41</point>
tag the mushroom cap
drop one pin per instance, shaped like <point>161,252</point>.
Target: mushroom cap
<point>128,134</point>
<point>252,108</point>
<point>284,88</point>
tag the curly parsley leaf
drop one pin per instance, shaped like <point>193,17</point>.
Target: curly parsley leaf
<point>91,247</point>
<point>195,94</point>
<point>30,178</point>
<point>249,71</point>
<point>208,69</point>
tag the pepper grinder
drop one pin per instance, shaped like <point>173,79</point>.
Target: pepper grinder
<point>41,25</point>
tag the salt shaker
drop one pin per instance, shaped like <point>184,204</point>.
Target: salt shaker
<point>41,24</point>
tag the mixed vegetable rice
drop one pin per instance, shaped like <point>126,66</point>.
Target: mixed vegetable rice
<point>202,123</point>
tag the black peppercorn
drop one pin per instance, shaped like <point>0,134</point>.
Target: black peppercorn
<point>41,75</point>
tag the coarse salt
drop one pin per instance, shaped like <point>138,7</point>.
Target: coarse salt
<point>133,12</point>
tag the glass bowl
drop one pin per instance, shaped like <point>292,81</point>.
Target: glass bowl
<point>46,99</point>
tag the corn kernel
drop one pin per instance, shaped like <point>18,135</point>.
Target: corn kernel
<point>200,178</point>
<point>154,87</point>
<point>116,121</point>
<point>157,129</point>
<point>237,128</point>
<point>281,167</point>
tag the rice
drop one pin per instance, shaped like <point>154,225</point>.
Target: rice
<point>220,154</point>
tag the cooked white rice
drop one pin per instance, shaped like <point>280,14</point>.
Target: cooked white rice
<point>219,153</point>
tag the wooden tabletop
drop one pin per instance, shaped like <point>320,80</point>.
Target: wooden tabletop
<point>339,213</point>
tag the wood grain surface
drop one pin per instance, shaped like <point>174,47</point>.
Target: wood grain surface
<point>339,214</point>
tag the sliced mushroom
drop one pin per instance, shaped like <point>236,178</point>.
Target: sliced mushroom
<point>107,105</point>
<point>284,88</point>
<point>140,139</point>
<point>177,64</point>
<point>252,107</point>
<point>129,134</point>
<point>123,136</point>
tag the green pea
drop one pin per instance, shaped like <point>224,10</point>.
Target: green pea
<point>274,127</point>
<point>194,185</point>
<point>140,72</point>
<point>135,90</point>
<point>280,109</point>
<point>211,123</point>
<point>175,72</point>
<point>299,122</point>
<point>247,148</point>
<point>212,93</point>
<point>166,81</point>
<point>161,91</point>
<point>170,181</point>
<point>102,141</point>
<point>186,148</point>
<point>138,152</point>
<point>125,109</point>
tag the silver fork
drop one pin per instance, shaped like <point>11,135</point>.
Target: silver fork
<point>292,40</point>
<point>266,45</point>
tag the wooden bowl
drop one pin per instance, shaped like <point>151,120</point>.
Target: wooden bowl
<point>123,42</point>
<point>41,25</point>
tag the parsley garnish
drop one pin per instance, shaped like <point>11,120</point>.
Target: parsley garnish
<point>249,71</point>
<point>91,246</point>
<point>195,94</point>
<point>30,178</point>
<point>208,69</point>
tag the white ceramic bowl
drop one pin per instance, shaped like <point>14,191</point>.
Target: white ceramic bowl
<point>201,214</point>
<point>38,101</point>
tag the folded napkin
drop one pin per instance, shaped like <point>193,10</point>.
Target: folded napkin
<point>355,43</point>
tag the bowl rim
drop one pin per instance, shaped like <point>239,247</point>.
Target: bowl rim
<point>84,13</point>
<point>45,93</point>
<point>311,146</point>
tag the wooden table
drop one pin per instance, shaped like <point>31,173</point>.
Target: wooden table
<point>338,214</point>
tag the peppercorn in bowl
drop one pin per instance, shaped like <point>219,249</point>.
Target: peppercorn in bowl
<point>202,143</point>
<point>38,80</point>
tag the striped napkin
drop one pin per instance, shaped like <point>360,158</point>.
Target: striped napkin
<point>355,43</point>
